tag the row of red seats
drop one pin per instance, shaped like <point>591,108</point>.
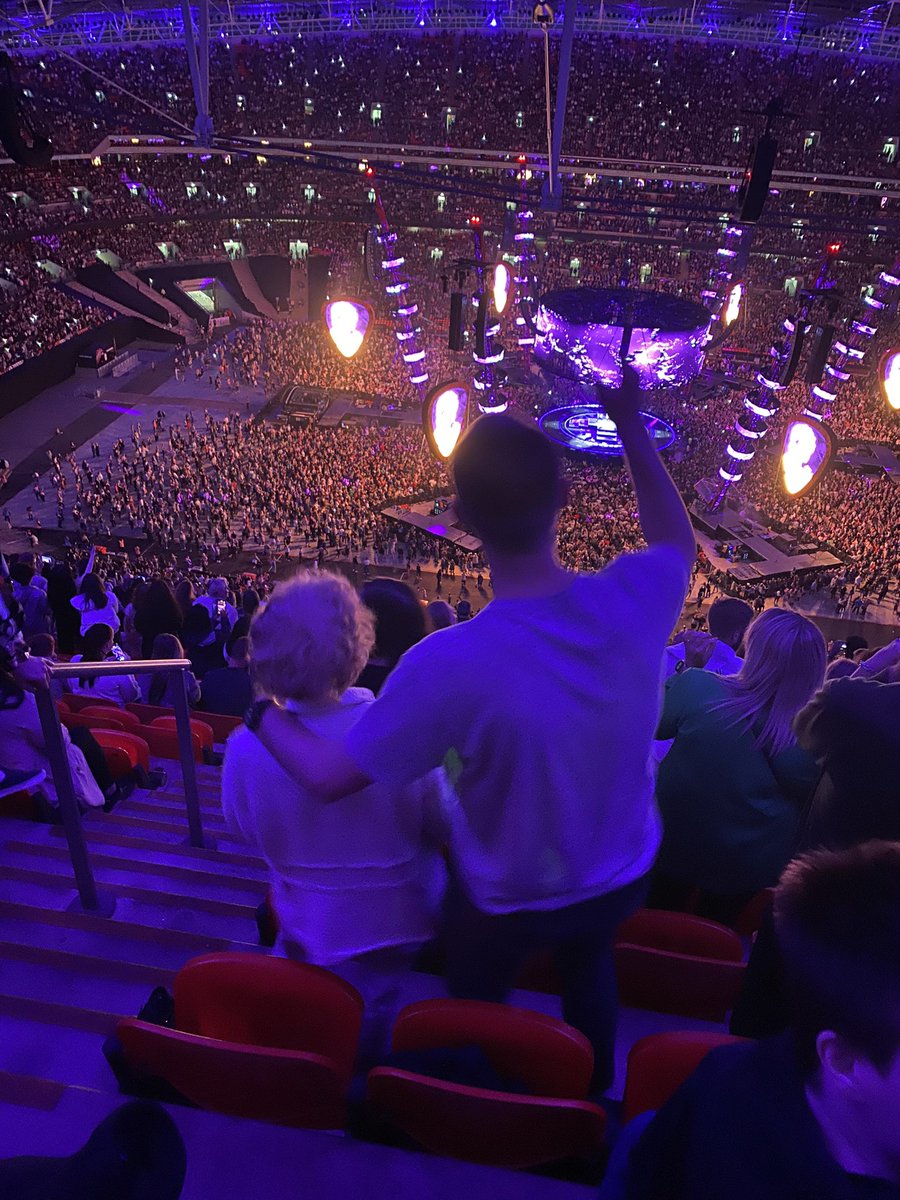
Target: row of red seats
<point>275,1040</point>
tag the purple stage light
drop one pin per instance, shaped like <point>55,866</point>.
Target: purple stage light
<point>889,377</point>
<point>583,332</point>
<point>444,418</point>
<point>806,453</point>
<point>348,323</point>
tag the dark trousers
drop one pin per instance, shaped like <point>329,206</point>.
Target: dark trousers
<point>485,953</point>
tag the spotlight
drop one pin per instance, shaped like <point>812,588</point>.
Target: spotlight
<point>889,377</point>
<point>348,323</point>
<point>806,453</point>
<point>503,288</point>
<point>444,417</point>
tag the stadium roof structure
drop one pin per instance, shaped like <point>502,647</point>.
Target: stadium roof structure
<point>836,26</point>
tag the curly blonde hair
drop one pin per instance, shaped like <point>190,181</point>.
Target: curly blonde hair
<point>312,638</point>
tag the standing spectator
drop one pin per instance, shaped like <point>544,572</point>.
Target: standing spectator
<point>228,689</point>
<point>558,830</point>
<point>156,612</point>
<point>97,647</point>
<point>221,611</point>
<point>399,624</point>
<point>733,787</point>
<point>728,619</point>
<point>96,604</point>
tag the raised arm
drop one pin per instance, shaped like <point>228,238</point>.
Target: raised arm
<point>87,570</point>
<point>664,518</point>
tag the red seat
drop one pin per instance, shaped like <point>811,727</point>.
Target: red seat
<point>681,933</point>
<point>146,713</point>
<point>547,1055</point>
<point>198,728</point>
<point>751,915</point>
<point>123,742</point>
<point>553,1060</point>
<point>660,1063</point>
<point>478,1125</point>
<point>221,724</point>
<point>286,1087</point>
<point>76,701</point>
<point>109,720</point>
<point>63,703</point>
<point>270,1002</point>
<point>681,984</point>
<point>163,743</point>
<point>126,719</point>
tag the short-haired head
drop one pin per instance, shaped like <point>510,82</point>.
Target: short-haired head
<point>728,620</point>
<point>837,918</point>
<point>311,639</point>
<point>509,484</point>
<point>239,652</point>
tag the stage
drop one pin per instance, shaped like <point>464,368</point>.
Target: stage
<point>437,517</point>
<point>767,553</point>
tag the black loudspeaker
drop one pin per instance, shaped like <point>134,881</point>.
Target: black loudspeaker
<point>317,275</point>
<point>755,188</point>
<point>457,338</point>
<point>818,356</point>
<point>23,143</point>
<point>481,313</point>
<point>372,257</point>
<point>789,368</point>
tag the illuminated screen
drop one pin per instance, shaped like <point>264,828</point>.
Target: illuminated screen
<point>348,321</point>
<point>889,373</point>
<point>588,429</point>
<point>805,454</point>
<point>503,286</point>
<point>444,417</point>
<point>580,334</point>
<point>733,305</point>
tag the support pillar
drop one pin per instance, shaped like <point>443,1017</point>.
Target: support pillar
<point>553,190</point>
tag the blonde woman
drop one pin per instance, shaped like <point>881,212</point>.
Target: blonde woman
<point>733,788</point>
<point>356,885</point>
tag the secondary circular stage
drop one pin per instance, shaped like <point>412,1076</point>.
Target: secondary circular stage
<point>583,334</point>
<point>587,429</point>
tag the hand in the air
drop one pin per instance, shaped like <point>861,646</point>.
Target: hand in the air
<point>698,647</point>
<point>624,401</point>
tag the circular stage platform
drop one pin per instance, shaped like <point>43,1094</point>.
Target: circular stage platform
<point>587,429</point>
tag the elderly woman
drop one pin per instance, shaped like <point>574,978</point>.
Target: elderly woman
<point>356,884</point>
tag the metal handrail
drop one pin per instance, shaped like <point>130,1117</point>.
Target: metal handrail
<point>88,898</point>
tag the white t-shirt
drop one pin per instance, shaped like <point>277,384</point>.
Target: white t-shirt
<point>551,705</point>
<point>115,689</point>
<point>212,607</point>
<point>94,616</point>
<point>359,875</point>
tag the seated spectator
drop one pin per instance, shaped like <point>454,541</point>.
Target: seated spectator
<point>354,885</point>
<point>185,597</point>
<point>228,689</point>
<point>96,605</point>
<point>24,748</point>
<point>399,624</point>
<point>96,647</point>
<point>814,1111</point>
<point>733,787</point>
<point>728,620</point>
<point>221,611</point>
<point>160,689</point>
<point>43,645</point>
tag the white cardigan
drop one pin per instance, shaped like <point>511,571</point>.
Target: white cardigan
<point>361,874</point>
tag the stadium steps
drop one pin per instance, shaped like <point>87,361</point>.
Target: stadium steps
<point>92,296</point>
<point>246,280</point>
<point>185,324</point>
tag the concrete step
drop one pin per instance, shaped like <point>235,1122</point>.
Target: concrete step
<point>153,851</point>
<point>143,906</point>
<point>226,884</point>
<point>56,1042</point>
<point>113,938</point>
<point>85,981</point>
